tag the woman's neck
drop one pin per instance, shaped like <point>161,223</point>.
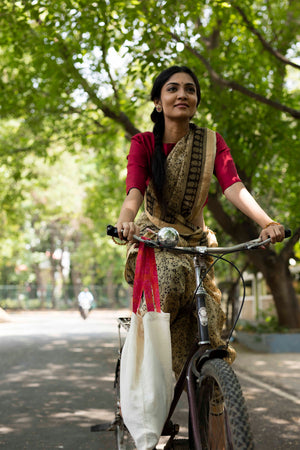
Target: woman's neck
<point>175,131</point>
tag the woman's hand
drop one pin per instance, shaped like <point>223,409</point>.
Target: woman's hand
<point>126,230</point>
<point>273,230</point>
<point>126,226</point>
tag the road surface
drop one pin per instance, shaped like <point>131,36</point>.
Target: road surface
<point>56,380</point>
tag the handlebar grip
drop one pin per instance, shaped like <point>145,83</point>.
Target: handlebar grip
<point>287,233</point>
<point>112,231</point>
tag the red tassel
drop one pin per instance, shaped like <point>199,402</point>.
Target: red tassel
<point>146,280</point>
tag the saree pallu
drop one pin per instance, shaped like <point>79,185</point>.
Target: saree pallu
<point>189,168</point>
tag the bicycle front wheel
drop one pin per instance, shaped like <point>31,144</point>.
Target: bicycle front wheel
<point>223,418</point>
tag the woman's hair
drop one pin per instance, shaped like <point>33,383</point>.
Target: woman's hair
<point>159,158</point>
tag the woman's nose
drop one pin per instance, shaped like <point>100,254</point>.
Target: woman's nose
<point>181,93</point>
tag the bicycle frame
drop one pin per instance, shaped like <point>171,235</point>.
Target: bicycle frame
<point>200,352</point>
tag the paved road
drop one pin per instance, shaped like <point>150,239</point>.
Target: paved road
<point>271,387</point>
<point>56,374</point>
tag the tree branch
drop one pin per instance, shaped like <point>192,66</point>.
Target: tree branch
<point>244,230</point>
<point>117,116</point>
<point>106,66</point>
<point>287,251</point>
<point>236,86</point>
<point>265,44</point>
<point>212,41</point>
<point>247,229</point>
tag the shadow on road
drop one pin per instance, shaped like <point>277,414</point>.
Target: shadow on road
<point>56,380</point>
<point>52,389</point>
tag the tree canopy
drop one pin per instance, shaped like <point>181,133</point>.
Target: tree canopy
<point>76,76</point>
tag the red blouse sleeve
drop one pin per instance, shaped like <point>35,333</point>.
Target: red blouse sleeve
<point>140,155</point>
<point>225,169</point>
<point>139,161</point>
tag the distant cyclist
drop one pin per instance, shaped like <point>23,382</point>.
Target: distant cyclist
<point>85,301</point>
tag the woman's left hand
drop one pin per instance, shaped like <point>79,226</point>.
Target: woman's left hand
<point>274,230</point>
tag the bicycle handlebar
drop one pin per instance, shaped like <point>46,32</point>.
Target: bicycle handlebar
<point>199,250</point>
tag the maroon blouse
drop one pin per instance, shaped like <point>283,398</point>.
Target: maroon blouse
<point>140,155</point>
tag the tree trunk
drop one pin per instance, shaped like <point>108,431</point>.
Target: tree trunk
<point>75,274</point>
<point>76,282</point>
<point>273,266</point>
<point>64,292</point>
<point>110,288</point>
<point>278,277</point>
<point>53,281</point>
<point>40,286</point>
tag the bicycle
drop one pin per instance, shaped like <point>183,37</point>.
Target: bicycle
<point>218,417</point>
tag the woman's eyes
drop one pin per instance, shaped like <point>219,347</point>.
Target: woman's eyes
<point>191,90</point>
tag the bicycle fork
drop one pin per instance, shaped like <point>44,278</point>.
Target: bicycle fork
<point>200,270</point>
<point>204,342</point>
<point>204,352</point>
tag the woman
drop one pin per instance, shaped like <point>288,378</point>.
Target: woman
<point>171,169</point>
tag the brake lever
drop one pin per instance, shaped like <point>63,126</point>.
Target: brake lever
<point>147,242</point>
<point>258,243</point>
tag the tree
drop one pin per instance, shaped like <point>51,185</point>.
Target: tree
<point>58,73</point>
<point>54,221</point>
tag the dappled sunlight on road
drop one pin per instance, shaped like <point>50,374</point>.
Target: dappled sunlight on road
<point>288,367</point>
<point>56,380</point>
<point>91,414</point>
<point>56,384</point>
<point>268,416</point>
<point>275,417</point>
<point>270,384</point>
<point>4,430</point>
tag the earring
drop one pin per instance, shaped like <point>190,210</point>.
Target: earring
<point>159,108</point>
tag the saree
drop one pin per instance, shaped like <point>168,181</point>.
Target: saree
<point>189,169</point>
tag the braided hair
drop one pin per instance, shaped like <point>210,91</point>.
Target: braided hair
<point>159,157</point>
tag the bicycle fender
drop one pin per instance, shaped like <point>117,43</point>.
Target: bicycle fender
<point>213,353</point>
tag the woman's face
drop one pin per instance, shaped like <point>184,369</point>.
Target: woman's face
<point>178,97</point>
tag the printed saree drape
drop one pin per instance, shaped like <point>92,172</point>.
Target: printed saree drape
<point>189,169</point>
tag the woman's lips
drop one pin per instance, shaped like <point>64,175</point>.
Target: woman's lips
<point>181,105</point>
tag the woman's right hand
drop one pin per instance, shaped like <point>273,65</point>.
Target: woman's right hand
<point>126,230</point>
<point>126,226</point>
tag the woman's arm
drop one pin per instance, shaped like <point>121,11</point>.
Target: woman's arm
<point>240,197</point>
<point>131,205</point>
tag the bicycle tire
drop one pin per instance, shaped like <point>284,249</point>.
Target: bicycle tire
<point>123,438</point>
<point>229,418</point>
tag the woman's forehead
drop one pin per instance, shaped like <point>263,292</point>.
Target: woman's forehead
<point>180,78</point>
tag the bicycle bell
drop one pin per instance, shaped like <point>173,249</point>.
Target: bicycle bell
<point>168,237</point>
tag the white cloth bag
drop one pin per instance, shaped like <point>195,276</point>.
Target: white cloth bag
<point>146,383</point>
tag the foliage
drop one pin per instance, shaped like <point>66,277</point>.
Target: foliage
<point>266,323</point>
<point>75,82</point>
<point>59,58</point>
